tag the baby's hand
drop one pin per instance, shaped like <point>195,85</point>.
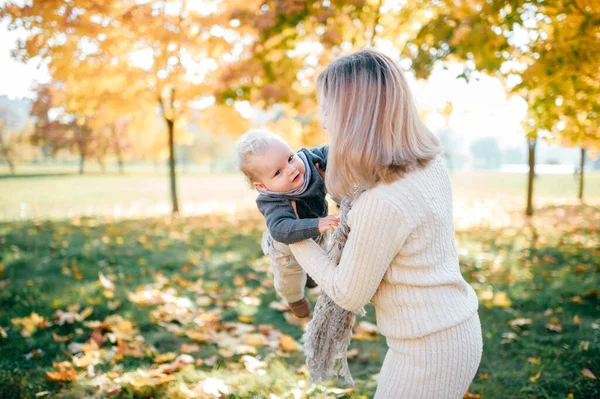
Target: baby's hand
<point>328,223</point>
<point>321,171</point>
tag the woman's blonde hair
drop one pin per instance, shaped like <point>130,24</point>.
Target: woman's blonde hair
<point>376,133</point>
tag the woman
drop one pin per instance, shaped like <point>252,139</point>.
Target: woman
<point>401,251</point>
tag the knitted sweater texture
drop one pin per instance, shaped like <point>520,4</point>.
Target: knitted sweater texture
<point>401,254</point>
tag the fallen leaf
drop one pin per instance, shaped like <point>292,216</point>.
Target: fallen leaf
<point>256,340</point>
<point>204,301</point>
<point>30,324</point>
<point>485,376</point>
<point>576,299</point>
<point>106,283</point>
<point>352,353</point>
<point>576,319</point>
<point>65,372</point>
<point>554,327</point>
<point>238,281</point>
<point>501,300</point>
<point>165,357</point>
<point>364,331</point>
<point>58,338</point>
<point>287,343</point>
<point>246,319</point>
<point>535,377</point>
<point>509,337</point>
<point>189,348</point>
<point>588,373</point>
<point>470,395</point>
<point>518,323</point>
<point>534,360</point>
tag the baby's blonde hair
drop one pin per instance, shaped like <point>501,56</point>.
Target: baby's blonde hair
<point>376,133</point>
<point>250,144</point>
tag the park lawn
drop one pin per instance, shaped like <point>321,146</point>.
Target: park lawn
<point>202,282</point>
<point>57,194</point>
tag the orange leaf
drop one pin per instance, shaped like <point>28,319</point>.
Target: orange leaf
<point>287,343</point>
<point>65,372</point>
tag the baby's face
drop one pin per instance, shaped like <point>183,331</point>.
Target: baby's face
<point>278,169</point>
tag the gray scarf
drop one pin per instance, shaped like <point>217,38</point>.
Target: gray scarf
<point>299,190</point>
<point>329,332</point>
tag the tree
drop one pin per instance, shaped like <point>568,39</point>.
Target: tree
<point>160,51</point>
<point>545,51</point>
<point>287,42</point>
<point>7,123</point>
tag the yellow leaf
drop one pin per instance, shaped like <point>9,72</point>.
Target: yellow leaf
<point>576,319</point>
<point>576,299</point>
<point>501,300</point>
<point>245,319</point>
<point>534,360</point>
<point>85,313</point>
<point>165,357</point>
<point>198,336</point>
<point>58,338</point>
<point>535,377</point>
<point>287,343</point>
<point>255,340</point>
<point>85,360</point>
<point>30,324</point>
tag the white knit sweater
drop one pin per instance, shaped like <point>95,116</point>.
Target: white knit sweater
<point>400,253</point>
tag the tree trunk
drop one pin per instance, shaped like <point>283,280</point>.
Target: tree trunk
<point>581,167</point>
<point>6,156</point>
<point>102,165</point>
<point>81,162</point>
<point>531,144</point>
<point>172,175</point>
<point>371,39</point>
<point>118,151</point>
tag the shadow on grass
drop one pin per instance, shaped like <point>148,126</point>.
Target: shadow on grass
<point>37,175</point>
<point>546,272</point>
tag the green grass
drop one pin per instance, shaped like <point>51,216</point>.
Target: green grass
<point>546,270</point>
<point>60,193</point>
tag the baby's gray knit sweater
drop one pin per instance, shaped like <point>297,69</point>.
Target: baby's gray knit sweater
<point>311,205</point>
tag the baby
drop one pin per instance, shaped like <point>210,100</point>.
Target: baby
<point>288,183</point>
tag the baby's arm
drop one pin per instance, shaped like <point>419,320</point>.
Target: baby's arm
<point>285,227</point>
